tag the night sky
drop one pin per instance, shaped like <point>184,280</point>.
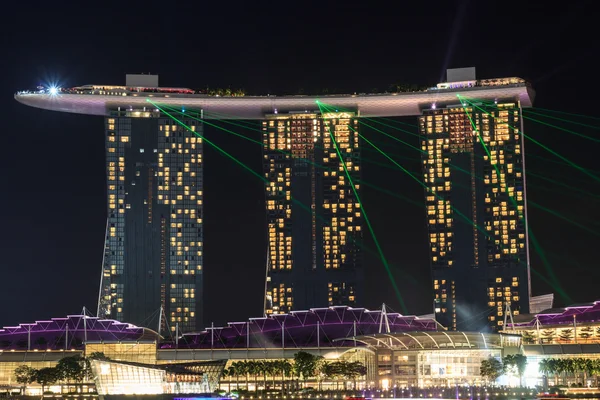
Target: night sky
<point>53,199</point>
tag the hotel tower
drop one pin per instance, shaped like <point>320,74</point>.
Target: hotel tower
<point>152,266</point>
<point>474,170</point>
<point>314,220</point>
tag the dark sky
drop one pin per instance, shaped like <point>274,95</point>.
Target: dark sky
<point>52,202</point>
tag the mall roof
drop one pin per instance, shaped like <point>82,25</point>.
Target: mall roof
<point>555,349</point>
<point>252,107</point>
<point>437,340</point>
<point>299,329</point>
<point>581,312</point>
<point>70,332</point>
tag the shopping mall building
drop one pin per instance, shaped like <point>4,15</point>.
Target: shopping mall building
<point>397,350</point>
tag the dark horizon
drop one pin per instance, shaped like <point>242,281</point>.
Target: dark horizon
<point>54,202</point>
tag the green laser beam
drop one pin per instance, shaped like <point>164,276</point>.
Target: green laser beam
<point>366,217</point>
<point>565,113</point>
<point>552,212</point>
<point>358,243</point>
<point>528,111</point>
<point>563,217</point>
<point>572,164</point>
<point>541,253</point>
<point>262,143</point>
<point>562,129</point>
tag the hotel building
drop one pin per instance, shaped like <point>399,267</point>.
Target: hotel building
<point>474,171</point>
<point>152,261</point>
<point>313,216</point>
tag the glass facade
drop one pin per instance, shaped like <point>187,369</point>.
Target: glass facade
<point>7,369</point>
<point>474,169</point>
<point>314,219</point>
<point>153,247</point>
<point>137,352</point>
<point>432,368</point>
<point>113,378</point>
<point>117,378</point>
<point>436,358</point>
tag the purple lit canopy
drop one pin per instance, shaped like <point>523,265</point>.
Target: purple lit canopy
<point>313,328</point>
<point>70,333</point>
<point>581,313</point>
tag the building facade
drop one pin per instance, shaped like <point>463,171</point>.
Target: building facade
<point>474,172</point>
<point>153,250</point>
<point>313,216</point>
<point>435,359</point>
<point>575,324</point>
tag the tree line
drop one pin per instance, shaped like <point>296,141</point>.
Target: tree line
<point>305,366</point>
<point>75,369</point>
<point>224,92</point>
<point>576,367</point>
<point>513,364</point>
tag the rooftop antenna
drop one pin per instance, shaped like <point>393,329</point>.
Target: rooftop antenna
<point>84,315</point>
<point>266,300</point>
<point>384,316</point>
<point>101,311</point>
<point>160,314</point>
<point>508,314</point>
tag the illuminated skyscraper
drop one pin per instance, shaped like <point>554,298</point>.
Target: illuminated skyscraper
<point>314,219</point>
<point>474,168</point>
<point>153,247</point>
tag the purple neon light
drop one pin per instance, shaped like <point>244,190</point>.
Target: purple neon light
<point>564,316</point>
<point>69,332</point>
<point>300,329</point>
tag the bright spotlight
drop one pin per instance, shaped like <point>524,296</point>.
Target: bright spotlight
<point>433,106</point>
<point>53,90</point>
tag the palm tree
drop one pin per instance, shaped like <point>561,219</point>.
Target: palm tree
<point>545,369</point>
<point>252,370</point>
<point>548,335</point>
<point>596,369</point>
<point>267,368</point>
<point>245,370</point>
<point>521,363</point>
<point>566,367</point>
<point>263,367</point>
<point>238,370</point>
<point>528,337</point>
<point>566,335</point>
<point>285,366</point>
<point>552,366</point>
<point>586,332</point>
<point>587,366</point>
<point>228,373</point>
